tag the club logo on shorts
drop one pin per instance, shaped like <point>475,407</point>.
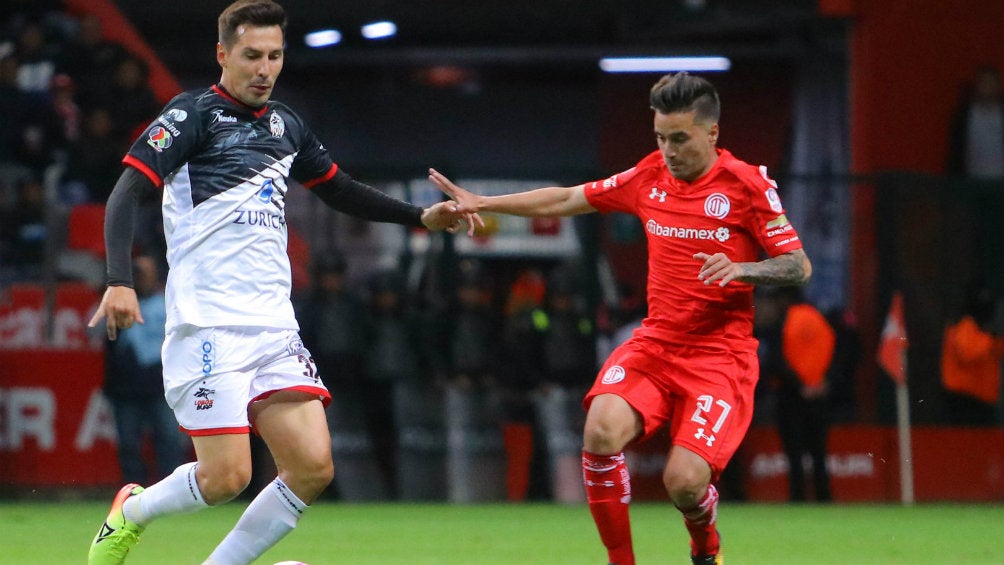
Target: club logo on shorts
<point>203,398</point>
<point>294,346</point>
<point>613,375</point>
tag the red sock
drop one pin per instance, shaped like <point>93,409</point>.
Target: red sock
<point>608,489</point>
<point>700,521</point>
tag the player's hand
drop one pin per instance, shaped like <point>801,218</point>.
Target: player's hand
<point>444,216</point>
<point>717,268</point>
<point>464,202</point>
<point>121,308</point>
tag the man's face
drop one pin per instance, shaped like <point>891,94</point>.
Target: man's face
<point>252,65</point>
<point>687,146</point>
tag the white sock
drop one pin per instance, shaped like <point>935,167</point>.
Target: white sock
<point>270,516</point>
<point>177,493</point>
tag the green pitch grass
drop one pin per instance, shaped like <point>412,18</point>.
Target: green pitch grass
<point>531,534</point>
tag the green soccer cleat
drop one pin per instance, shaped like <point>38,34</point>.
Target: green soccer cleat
<point>117,535</point>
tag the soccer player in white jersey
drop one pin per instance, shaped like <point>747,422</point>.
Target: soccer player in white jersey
<point>233,361</point>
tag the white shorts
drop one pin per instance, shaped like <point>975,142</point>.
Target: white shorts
<point>212,375</point>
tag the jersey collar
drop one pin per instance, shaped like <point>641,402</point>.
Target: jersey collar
<point>258,112</point>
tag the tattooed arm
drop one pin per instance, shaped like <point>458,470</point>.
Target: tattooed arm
<point>792,268</point>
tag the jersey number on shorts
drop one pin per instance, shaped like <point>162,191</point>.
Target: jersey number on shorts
<point>309,365</point>
<point>705,404</point>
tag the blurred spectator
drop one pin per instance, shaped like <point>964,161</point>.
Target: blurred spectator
<point>38,149</point>
<point>65,110</point>
<point>472,345</point>
<point>846,357</point>
<point>32,9</point>
<point>976,137</point>
<point>37,59</point>
<point>568,334</point>
<point>569,359</point>
<point>13,124</point>
<point>798,369</point>
<point>24,133</point>
<point>394,360</point>
<point>521,371</point>
<point>54,128</point>
<point>616,322</point>
<point>133,104</point>
<point>134,385</point>
<point>91,60</point>
<point>472,324</point>
<point>23,232</point>
<point>94,161</point>
<point>332,321</point>
<point>971,356</point>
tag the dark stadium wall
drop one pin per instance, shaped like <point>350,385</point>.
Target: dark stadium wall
<point>756,112</point>
<point>908,62</point>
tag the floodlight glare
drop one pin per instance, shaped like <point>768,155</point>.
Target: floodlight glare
<point>664,64</point>
<point>379,30</point>
<point>322,38</point>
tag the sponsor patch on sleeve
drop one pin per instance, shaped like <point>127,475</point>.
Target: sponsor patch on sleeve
<point>159,138</point>
<point>613,182</point>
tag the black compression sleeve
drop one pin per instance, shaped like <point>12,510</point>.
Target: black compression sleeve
<point>120,216</point>
<point>345,194</point>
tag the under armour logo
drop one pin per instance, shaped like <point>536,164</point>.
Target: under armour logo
<point>708,439</point>
<point>656,193</point>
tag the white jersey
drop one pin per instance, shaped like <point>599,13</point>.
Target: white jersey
<point>224,168</point>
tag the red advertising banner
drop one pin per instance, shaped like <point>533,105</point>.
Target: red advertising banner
<point>23,318</point>
<point>56,427</point>
<point>950,464</point>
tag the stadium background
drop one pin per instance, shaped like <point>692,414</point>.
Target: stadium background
<point>848,100</point>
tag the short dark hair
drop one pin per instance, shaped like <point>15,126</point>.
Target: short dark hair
<point>258,13</point>
<point>683,92</point>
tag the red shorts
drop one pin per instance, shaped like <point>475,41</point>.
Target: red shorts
<point>704,394</point>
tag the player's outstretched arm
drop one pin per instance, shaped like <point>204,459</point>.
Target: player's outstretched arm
<point>445,216</point>
<point>791,268</point>
<point>547,202</point>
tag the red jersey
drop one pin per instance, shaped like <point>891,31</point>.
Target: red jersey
<point>733,209</point>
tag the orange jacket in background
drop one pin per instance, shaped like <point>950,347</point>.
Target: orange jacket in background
<point>807,343</point>
<point>970,360</point>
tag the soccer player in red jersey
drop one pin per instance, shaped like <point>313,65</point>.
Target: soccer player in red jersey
<point>693,363</point>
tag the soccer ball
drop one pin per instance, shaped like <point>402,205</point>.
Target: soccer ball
<point>291,563</point>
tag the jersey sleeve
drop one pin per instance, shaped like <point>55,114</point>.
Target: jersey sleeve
<point>619,193</point>
<point>768,222</point>
<point>168,141</point>
<point>313,164</point>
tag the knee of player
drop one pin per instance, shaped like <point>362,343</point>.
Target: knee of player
<point>223,485</point>
<point>602,438</point>
<point>315,475</point>
<point>685,486</point>
<point>324,473</point>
